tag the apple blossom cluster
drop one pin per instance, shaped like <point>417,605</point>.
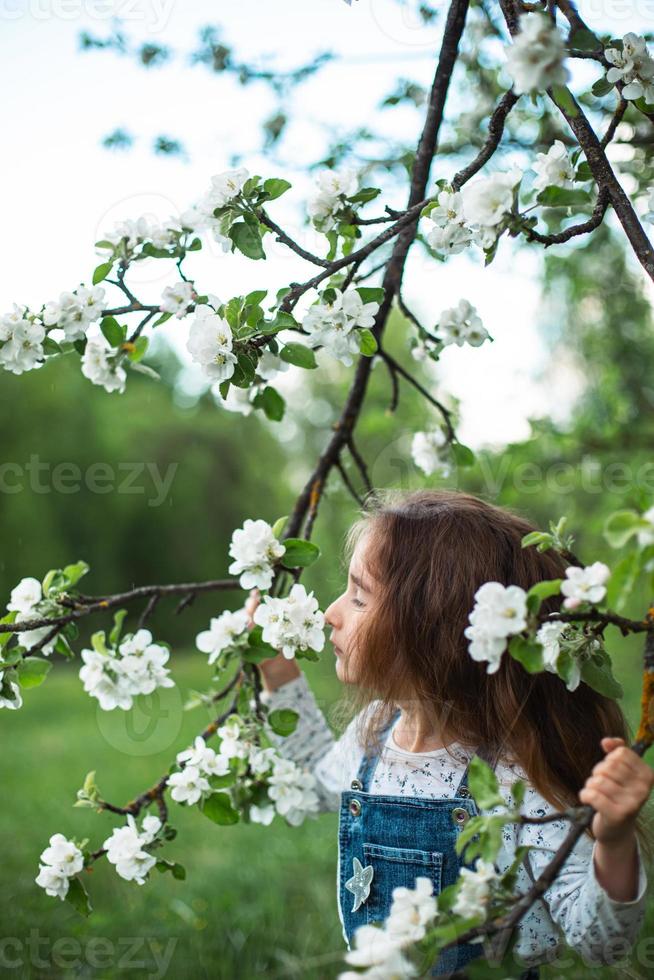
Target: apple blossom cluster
<point>502,611</point>
<point>28,602</point>
<point>535,60</point>
<point>336,320</point>
<point>223,190</point>
<point>62,860</point>
<point>459,325</point>
<point>129,235</point>
<point>632,65</point>
<point>255,549</point>
<point>116,676</point>
<point>290,790</point>
<point>127,848</point>
<point>380,949</point>
<point>430,451</point>
<point>332,189</point>
<point>292,624</point>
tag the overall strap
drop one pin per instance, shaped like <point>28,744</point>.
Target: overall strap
<point>490,754</point>
<point>369,762</point>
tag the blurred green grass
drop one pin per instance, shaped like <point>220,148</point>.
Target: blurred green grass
<point>256,901</point>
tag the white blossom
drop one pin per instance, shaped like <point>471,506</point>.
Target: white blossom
<point>292,791</point>
<point>134,232</point>
<point>331,190</point>
<point>126,848</point>
<point>177,299</point>
<point>204,758</point>
<point>332,323</point>
<point>73,312</point>
<point>227,185</point>
<point>634,66</point>
<point>449,233</point>
<point>137,667</point>
<point>210,344</point>
<point>22,349</point>
<point>25,595</point>
<point>270,365</point>
<point>412,909</point>
<point>223,631</point>
<point>97,367</point>
<point>584,584</point>
<point>374,947</point>
<point>487,200</point>
<point>535,60</point>
<point>462,324</point>
<point>499,612</point>
<point>262,814</point>
<point>231,744</point>
<point>62,859</point>
<point>292,623</point>
<point>430,452</point>
<point>254,549</point>
<point>12,703</point>
<point>188,785</point>
<point>549,636</point>
<point>475,890</point>
<point>554,168</point>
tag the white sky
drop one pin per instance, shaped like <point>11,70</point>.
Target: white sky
<point>61,189</point>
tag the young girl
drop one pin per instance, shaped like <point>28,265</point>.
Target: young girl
<point>398,774</point>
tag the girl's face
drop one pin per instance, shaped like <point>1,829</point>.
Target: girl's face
<point>345,614</point>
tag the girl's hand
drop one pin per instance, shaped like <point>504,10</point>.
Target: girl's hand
<point>617,788</point>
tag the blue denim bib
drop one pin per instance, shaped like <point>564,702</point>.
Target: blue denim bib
<point>401,838</point>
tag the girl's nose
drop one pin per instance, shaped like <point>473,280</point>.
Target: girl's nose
<point>329,615</point>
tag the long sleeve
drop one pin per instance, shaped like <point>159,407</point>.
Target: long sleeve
<point>332,762</point>
<point>596,926</point>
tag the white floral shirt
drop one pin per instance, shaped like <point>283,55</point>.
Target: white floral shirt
<point>576,909</point>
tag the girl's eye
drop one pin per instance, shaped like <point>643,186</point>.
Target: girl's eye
<point>357,602</point>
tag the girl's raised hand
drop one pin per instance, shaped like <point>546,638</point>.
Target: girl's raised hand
<point>251,604</point>
<point>617,788</point>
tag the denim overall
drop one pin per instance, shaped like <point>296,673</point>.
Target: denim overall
<point>402,837</point>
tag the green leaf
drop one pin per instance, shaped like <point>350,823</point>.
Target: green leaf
<point>32,671</point>
<point>622,581</point>
<point>600,678</point>
<point>542,590</point>
<point>283,721</point>
<point>584,172</point>
<point>99,643</point>
<point>483,784</point>
<point>584,40</point>
<point>75,572</point>
<point>371,294</point>
<point>298,354</point>
<point>542,539</point>
<point>162,319</point>
<point>256,297</point>
<point>277,527</point>
<point>116,629</point>
<point>77,896</point>
<point>601,87</point>
<point>563,98</point>
<point>140,347</point>
<point>51,346</point>
<point>271,402</point>
<point>178,870</point>
<point>364,195</point>
<point>622,525</point>
<point>274,187</point>
<point>527,652</point>
<point>101,272</point>
<point>247,240</point>
<point>218,807</point>
<point>9,618</point>
<point>113,332</point>
<point>562,197</point>
<point>463,455</point>
<point>299,553</point>
<point>63,648</point>
<point>367,342</point>
<point>257,650</point>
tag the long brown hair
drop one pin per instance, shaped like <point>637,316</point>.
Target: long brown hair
<point>428,552</point>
